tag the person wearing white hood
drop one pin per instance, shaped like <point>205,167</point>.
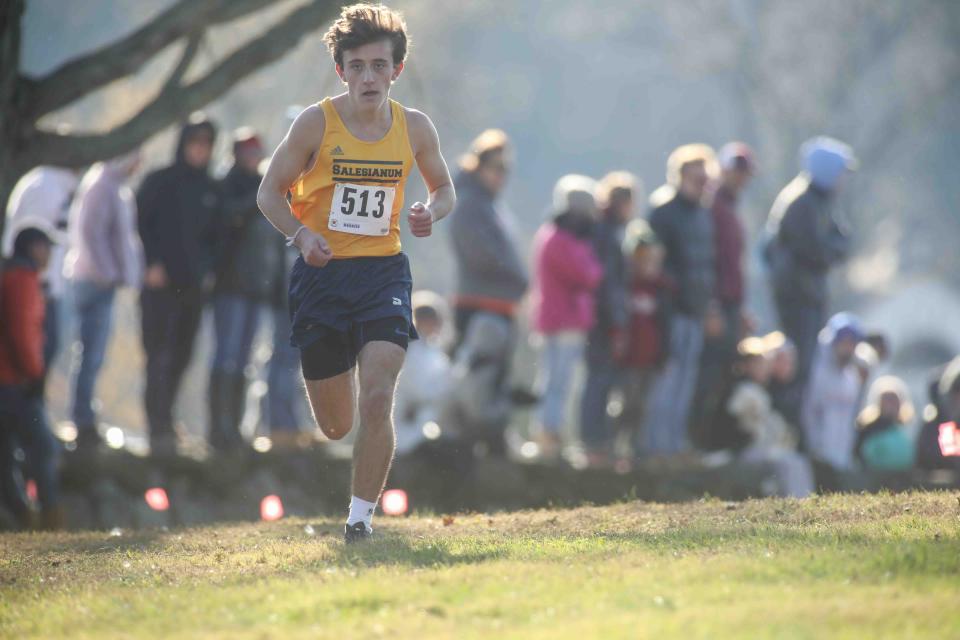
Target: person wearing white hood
<point>807,240</point>
<point>105,254</point>
<point>45,192</point>
<point>832,399</point>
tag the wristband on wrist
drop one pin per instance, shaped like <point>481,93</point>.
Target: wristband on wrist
<point>293,238</point>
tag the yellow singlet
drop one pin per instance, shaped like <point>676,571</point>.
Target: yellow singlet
<point>353,195</point>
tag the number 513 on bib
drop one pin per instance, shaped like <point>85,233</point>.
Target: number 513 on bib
<point>361,210</point>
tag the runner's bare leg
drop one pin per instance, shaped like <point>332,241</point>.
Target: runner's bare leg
<point>334,402</point>
<point>379,364</point>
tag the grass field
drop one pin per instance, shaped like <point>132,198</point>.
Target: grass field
<point>853,566</point>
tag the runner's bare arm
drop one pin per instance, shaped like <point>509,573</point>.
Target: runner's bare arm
<point>295,155</point>
<point>433,168</point>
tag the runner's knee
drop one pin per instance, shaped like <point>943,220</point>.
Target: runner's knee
<point>333,408</point>
<point>334,428</point>
<point>376,403</point>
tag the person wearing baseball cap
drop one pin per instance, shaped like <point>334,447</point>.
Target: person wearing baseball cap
<point>250,267</point>
<point>23,420</point>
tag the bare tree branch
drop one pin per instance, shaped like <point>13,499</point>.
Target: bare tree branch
<point>189,52</point>
<point>80,76</point>
<point>176,101</point>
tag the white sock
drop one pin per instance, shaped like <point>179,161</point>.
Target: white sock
<point>361,511</point>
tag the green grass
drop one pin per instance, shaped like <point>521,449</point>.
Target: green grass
<point>835,566</point>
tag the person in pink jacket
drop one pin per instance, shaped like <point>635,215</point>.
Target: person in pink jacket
<point>566,272</point>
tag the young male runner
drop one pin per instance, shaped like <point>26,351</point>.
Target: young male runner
<point>345,163</point>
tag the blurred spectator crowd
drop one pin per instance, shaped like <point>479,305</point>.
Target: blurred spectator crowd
<point>645,296</point>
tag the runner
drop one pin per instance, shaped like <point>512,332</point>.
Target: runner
<point>345,163</point>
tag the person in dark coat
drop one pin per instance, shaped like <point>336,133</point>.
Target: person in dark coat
<point>737,166</point>
<point>249,270</point>
<point>807,240</point>
<point>492,279</point>
<point>938,445</point>
<point>177,209</point>
<point>685,228</point>
<point>617,193</point>
<point>491,275</point>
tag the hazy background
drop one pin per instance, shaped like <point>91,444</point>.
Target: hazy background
<point>589,87</point>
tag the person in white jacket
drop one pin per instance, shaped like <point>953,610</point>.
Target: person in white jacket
<point>832,399</point>
<point>105,254</point>
<point>424,383</point>
<point>45,192</point>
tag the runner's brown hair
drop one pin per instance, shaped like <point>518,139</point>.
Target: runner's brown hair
<point>361,24</point>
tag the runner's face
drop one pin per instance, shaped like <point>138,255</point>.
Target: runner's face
<point>368,71</point>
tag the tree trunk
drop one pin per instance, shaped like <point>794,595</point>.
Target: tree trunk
<point>10,13</point>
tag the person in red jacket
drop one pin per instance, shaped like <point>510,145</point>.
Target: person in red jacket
<point>648,327</point>
<point>23,422</point>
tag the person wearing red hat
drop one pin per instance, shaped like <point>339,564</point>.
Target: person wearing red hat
<point>727,318</point>
<point>250,268</point>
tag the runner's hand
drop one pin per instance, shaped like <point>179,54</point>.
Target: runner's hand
<point>314,248</point>
<point>420,219</point>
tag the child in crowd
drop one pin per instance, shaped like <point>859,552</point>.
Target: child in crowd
<point>770,439</point>
<point>832,397</point>
<point>424,383</point>
<point>883,442</point>
<point>566,273</point>
<point>23,416</point>
<point>782,354</point>
<point>648,303</point>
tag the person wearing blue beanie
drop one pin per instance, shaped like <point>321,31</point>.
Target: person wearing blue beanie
<point>826,160</point>
<point>806,241</point>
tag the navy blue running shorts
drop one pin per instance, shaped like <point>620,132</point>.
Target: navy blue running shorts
<point>337,309</point>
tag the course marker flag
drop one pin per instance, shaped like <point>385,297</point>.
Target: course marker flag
<point>949,439</point>
<point>394,502</point>
<point>156,498</point>
<point>271,508</point>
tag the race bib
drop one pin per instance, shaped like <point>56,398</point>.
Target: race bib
<point>361,210</point>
